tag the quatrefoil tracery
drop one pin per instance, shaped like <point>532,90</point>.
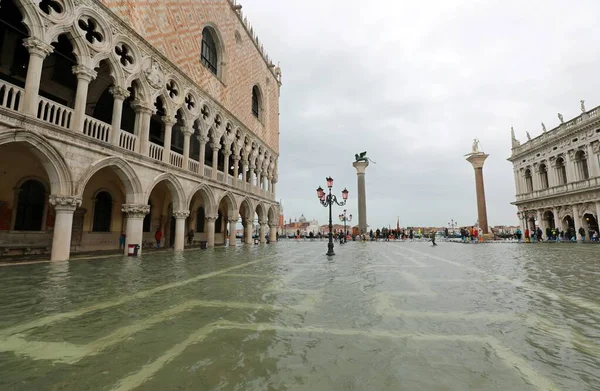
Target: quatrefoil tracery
<point>217,120</point>
<point>172,89</point>
<point>189,102</point>
<point>124,54</point>
<point>91,30</point>
<point>49,6</point>
<point>205,112</point>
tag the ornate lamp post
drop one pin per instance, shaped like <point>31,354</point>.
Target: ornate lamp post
<point>327,200</point>
<point>345,218</point>
<point>452,224</point>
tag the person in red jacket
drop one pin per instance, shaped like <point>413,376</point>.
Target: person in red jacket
<point>158,237</point>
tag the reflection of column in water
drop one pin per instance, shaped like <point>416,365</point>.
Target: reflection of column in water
<point>55,289</point>
<point>130,276</point>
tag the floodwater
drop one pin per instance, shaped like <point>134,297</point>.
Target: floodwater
<point>377,316</point>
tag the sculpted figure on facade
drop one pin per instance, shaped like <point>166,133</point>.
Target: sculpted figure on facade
<point>560,118</point>
<point>582,106</point>
<point>154,74</point>
<point>475,148</point>
<point>543,128</point>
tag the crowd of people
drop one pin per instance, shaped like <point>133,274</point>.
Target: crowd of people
<point>556,235</point>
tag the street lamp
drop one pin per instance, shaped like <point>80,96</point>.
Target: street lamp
<point>452,224</point>
<point>345,218</point>
<point>327,200</point>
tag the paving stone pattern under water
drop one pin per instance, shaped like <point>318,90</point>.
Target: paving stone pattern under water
<point>377,316</point>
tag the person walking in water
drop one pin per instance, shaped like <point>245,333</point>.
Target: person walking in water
<point>158,237</point>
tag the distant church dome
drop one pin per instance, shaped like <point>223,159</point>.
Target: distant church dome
<point>302,219</point>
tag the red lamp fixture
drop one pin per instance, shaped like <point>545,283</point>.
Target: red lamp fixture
<point>329,182</point>
<point>344,193</point>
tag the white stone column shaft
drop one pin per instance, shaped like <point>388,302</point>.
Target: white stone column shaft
<point>168,123</point>
<point>38,51</point>
<point>202,140</point>
<point>263,232</point>
<point>187,133</point>
<point>180,229</point>
<point>215,159</point>
<point>84,77</point>
<point>134,229</point>
<point>232,238</point>
<point>236,169</point>
<point>227,154</point>
<point>576,220</point>
<point>248,232</point>
<point>273,233</point>
<point>143,116</point>
<point>64,207</point>
<point>119,95</point>
<point>210,231</point>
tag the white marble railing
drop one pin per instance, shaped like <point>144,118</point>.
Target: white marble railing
<point>176,159</point>
<point>230,180</point>
<point>127,140</point>
<point>156,151</point>
<point>54,113</point>
<point>220,176</point>
<point>96,129</point>
<point>10,95</point>
<point>193,166</point>
<point>207,171</point>
<point>556,190</point>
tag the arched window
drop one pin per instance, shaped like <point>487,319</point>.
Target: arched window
<point>544,176</point>
<point>582,165</point>
<point>209,51</point>
<point>256,104</point>
<point>200,220</point>
<point>528,181</point>
<point>148,220</point>
<point>219,223</point>
<point>102,212</point>
<point>561,171</point>
<point>30,206</point>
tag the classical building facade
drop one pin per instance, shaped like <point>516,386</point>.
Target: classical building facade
<point>557,175</point>
<point>120,117</point>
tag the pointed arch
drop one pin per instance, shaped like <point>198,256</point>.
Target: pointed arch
<point>261,211</point>
<point>229,200</point>
<point>80,48</point>
<point>207,196</point>
<point>174,186</point>
<point>58,172</point>
<point>131,182</point>
<point>249,209</point>
<point>273,214</point>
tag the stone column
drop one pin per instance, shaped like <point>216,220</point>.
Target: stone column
<point>249,229</point>
<point>64,207</point>
<point>169,122</point>
<point>187,133</point>
<point>215,159</point>
<point>135,224</point>
<point>232,238</point>
<point>517,183</point>
<point>180,229</point>
<point>540,221</point>
<point>142,127</point>
<point>273,183</point>
<point>245,171</point>
<point>593,161</point>
<point>226,154</point>
<point>236,170</point>
<point>557,222</point>
<point>571,169</point>
<point>258,176</point>
<point>202,140</point>
<point>119,95</point>
<point>551,175</point>
<point>251,175</point>
<point>210,231</point>
<point>362,195</point>
<point>84,76</point>
<point>38,51</point>
<point>273,232</point>
<point>576,221</point>
<point>477,160</point>
<point>270,183</point>
<point>263,231</point>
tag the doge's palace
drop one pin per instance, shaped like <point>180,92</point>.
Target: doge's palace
<point>117,117</point>
<point>557,175</point>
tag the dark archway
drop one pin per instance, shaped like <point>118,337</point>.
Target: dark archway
<point>58,83</point>
<point>156,123</point>
<point>31,202</point>
<point>14,57</point>
<point>102,212</point>
<point>148,220</point>
<point>200,217</point>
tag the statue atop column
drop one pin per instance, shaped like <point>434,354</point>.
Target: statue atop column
<point>361,162</point>
<point>477,159</point>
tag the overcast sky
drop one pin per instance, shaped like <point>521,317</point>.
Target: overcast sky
<point>412,83</point>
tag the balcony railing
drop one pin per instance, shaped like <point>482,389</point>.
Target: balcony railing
<point>54,113</point>
<point>176,159</point>
<point>127,140</point>
<point>96,129</point>
<point>156,151</point>
<point>10,95</point>
<point>560,189</point>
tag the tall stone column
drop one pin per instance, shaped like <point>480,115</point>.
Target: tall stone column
<point>557,222</point>
<point>226,155</point>
<point>215,159</point>
<point>262,231</point>
<point>273,232</point>
<point>593,160</point>
<point>135,224</point>
<point>248,232</point>
<point>251,175</point>
<point>258,172</point>
<point>245,171</point>
<point>169,122</point>
<point>187,133</point>
<point>202,140</point>
<point>232,238</point>
<point>180,229</point>
<point>143,114</point>
<point>84,76</point>
<point>576,220</point>
<point>477,160</point>
<point>119,95</point>
<point>210,231</point>
<point>38,51</point>
<point>362,195</point>
<point>64,207</point>
<point>236,170</point>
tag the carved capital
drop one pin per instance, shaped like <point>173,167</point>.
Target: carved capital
<point>596,147</point>
<point>273,225</point>
<point>119,92</point>
<point>84,73</point>
<point>37,47</point>
<point>211,218</point>
<point>168,121</point>
<point>135,210</point>
<point>181,214</point>
<point>67,203</point>
<point>142,107</point>
<point>215,146</point>
<point>263,222</point>
<point>236,158</point>
<point>187,131</point>
<point>233,221</point>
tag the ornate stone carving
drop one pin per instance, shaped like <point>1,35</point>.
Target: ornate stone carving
<point>155,75</point>
<point>37,47</point>
<point>181,214</point>
<point>119,92</point>
<point>211,218</point>
<point>83,72</point>
<point>135,210</point>
<point>596,147</point>
<point>61,202</point>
